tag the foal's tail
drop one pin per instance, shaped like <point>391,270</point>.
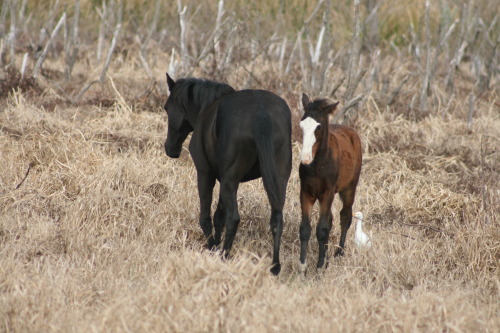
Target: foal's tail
<point>263,131</point>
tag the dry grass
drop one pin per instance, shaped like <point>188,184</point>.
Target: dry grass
<point>103,233</point>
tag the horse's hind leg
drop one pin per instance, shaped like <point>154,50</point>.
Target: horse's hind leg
<point>347,197</point>
<point>277,230</point>
<point>205,189</point>
<point>324,227</point>
<point>232,217</point>
<point>219,221</point>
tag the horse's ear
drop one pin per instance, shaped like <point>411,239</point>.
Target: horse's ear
<point>170,82</point>
<point>332,107</point>
<point>305,100</point>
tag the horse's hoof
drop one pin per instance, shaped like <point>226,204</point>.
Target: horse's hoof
<point>276,269</point>
<point>339,253</point>
<point>302,269</point>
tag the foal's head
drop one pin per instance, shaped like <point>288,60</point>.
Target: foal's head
<point>314,124</point>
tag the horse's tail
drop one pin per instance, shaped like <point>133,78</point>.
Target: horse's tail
<point>263,132</point>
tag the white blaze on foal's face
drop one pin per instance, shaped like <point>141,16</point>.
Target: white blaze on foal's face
<point>308,127</point>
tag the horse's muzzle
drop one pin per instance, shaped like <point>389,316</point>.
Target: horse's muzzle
<point>306,159</point>
<point>172,152</point>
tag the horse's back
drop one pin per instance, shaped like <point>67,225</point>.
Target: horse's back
<point>247,119</point>
<point>241,111</point>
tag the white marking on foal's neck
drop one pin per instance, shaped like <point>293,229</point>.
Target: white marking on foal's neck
<point>308,127</point>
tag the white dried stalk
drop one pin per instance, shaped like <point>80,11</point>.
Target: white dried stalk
<point>39,63</point>
<point>144,63</point>
<point>315,11</point>
<point>12,32</point>
<point>2,50</point>
<point>24,64</point>
<point>52,15</point>
<point>110,52</point>
<point>72,45</point>
<point>427,72</point>
<point>3,15</point>
<point>461,44</point>
<point>319,43</point>
<point>354,55</point>
<point>440,46</point>
<point>282,55</point>
<point>182,21</point>
<point>102,29</point>
<point>372,20</point>
<point>292,53</point>
<point>375,69</point>
<point>172,66</point>
<point>217,29</point>
<point>472,98</point>
<point>448,105</point>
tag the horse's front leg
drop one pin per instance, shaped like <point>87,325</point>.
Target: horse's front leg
<point>306,204</point>
<point>205,189</point>
<point>324,226</point>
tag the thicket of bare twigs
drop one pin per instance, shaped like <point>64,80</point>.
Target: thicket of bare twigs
<point>98,228</point>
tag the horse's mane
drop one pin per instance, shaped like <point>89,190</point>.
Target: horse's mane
<point>319,103</point>
<point>201,92</point>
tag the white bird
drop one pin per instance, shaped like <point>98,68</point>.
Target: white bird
<point>360,238</point>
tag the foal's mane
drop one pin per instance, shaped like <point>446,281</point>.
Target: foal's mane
<point>200,92</point>
<point>319,103</point>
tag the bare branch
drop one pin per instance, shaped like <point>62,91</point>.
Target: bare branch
<point>352,103</point>
<point>427,73</point>
<point>25,176</point>
<point>24,64</point>
<point>396,91</point>
<point>337,86</point>
<point>110,51</point>
<point>39,63</point>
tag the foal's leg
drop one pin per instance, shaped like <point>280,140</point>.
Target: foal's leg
<point>219,221</point>
<point>205,189</point>
<point>306,204</point>
<point>232,217</point>
<point>324,226</point>
<point>347,197</point>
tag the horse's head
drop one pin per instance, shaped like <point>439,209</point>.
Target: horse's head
<point>314,124</point>
<point>178,125</point>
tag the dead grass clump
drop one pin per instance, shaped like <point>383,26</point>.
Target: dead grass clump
<point>11,80</point>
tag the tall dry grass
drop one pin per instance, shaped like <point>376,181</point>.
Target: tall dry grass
<point>99,229</point>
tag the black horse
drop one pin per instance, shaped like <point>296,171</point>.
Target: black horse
<point>237,136</point>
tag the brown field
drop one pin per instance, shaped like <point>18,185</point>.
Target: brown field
<point>99,228</point>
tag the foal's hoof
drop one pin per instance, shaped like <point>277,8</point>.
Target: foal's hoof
<point>276,269</point>
<point>339,252</point>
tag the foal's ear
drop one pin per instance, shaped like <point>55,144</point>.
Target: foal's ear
<point>305,100</point>
<point>331,107</point>
<point>170,83</point>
